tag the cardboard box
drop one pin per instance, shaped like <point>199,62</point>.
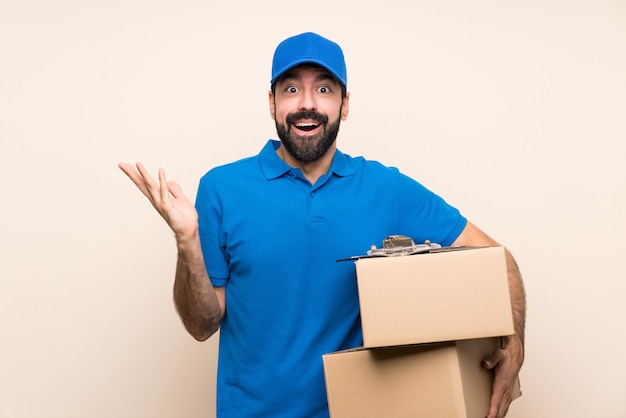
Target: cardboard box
<point>443,380</point>
<point>441,296</point>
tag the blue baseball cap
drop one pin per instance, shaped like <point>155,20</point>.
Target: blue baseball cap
<point>309,48</point>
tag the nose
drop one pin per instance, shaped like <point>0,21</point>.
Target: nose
<point>307,100</point>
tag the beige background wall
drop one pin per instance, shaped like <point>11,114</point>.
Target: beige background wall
<point>512,110</point>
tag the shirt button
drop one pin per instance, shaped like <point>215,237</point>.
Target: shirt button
<point>312,194</point>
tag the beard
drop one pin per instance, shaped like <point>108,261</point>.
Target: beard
<point>308,148</point>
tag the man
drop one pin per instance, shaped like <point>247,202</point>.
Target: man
<point>257,254</point>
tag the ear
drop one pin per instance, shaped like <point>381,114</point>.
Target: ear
<point>345,106</point>
<point>272,104</point>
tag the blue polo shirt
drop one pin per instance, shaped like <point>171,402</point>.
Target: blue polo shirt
<point>273,239</point>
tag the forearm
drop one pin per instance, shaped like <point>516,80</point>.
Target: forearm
<point>195,298</point>
<point>515,343</point>
<point>472,236</point>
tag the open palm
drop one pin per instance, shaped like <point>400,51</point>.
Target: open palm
<point>167,198</point>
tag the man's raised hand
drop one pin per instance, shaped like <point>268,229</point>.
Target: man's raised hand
<point>167,198</point>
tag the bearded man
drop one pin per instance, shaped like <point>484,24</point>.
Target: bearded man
<point>257,253</point>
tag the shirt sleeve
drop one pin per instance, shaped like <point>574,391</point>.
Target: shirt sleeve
<point>210,217</point>
<point>425,215</point>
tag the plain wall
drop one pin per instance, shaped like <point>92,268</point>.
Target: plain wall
<point>514,111</point>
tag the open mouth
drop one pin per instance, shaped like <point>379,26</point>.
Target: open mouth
<point>306,127</point>
<point>306,122</point>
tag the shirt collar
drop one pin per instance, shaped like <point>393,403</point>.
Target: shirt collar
<point>273,166</point>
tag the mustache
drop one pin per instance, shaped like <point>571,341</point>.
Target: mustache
<point>306,114</point>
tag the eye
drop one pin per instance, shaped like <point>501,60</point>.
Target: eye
<point>291,89</point>
<point>323,89</point>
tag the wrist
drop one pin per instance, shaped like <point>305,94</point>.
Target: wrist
<point>188,239</point>
<point>515,346</point>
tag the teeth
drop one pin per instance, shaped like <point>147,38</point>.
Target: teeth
<point>306,125</point>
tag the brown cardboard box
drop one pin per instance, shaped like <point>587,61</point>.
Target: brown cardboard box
<point>441,296</point>
<point>443,380</point>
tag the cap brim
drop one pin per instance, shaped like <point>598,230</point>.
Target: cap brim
<point>308,61</point>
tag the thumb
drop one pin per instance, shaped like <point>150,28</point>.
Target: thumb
<point>493,359</point>
<point>174,189</point>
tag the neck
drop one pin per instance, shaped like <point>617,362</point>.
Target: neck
<point>312,171</point>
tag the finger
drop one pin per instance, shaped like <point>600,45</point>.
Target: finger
<point>505,409</point>
<point>499,407</point>
<point>501,397</point>
<point>165,193</point>
<point>147,178</point>
<point>129,170</point>
<point>493,407</point>
<point>496,404</point>
<point>135,177</point>
<point>493,359</point>
<point>175,189</point>
<point>150,184</point>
